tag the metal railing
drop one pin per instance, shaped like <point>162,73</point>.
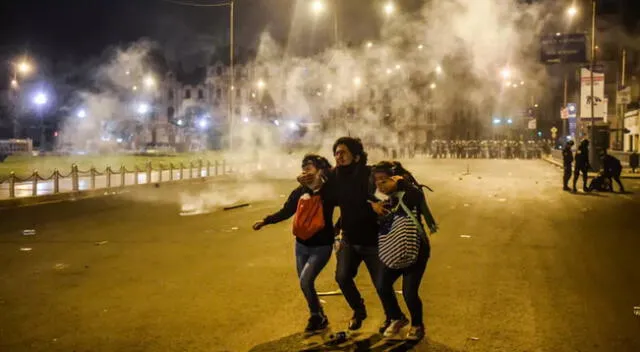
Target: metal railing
<point>81,180</point>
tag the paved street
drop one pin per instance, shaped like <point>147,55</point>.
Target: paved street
<point>518,265</point>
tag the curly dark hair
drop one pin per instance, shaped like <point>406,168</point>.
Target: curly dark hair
<point>355,147</point>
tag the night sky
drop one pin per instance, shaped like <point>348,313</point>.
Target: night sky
<point>78,29</point>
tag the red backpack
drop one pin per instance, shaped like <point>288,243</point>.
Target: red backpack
<point>309,218</point>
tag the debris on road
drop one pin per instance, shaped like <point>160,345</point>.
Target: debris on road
<point>474,338</point>
<point>466,205</point>
<point>25,249</point>
<point>60,266</point>
<point>235,228</point>
<point>465,236</point>
<point>502,200</point>
<point>636,311</point>
<point>29,232</point>
<point>100,243</point>
<point>282,196</point>
<point>236,206</point>
<point>330,293</point>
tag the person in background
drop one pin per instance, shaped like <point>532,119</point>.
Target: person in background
<point>634,161</point>
<point>612,169</point>
<point>581,165</point>
<point>312,254</point>
<point>567,161</point>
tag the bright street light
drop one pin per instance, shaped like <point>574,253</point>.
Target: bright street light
<point>276,122</point>
<point>149,82</point>
<point>357,81</point>
<point>40,99</point>
<point>398,67</point>
<point>180,122</point>
<point>522,83</point>
<point>245,120</point>
<point>572,11</point>
<point>329,86</point>
<point>420,47</point>
<point>389,8</point>
<point>143,108</point>
<point>24,67</point>
<point>505,73</point>
<point>432,86</point>
<point>81,114</point>
<point>202,123</point>
<point>135,88</point>
<point>317,7</point>
<point>369,44</point>
<point>261,84</point>
<point>389,71</point>
<point>14,83</point>
<point>438,69</point>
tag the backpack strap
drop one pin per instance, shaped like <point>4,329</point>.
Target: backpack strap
<point>421,230</point>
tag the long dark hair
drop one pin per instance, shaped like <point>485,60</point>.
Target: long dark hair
<point>395,168</point>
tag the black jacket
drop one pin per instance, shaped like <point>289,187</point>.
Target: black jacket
<point>567,156</point>
<point>325,236</point>
<point>353,189</point>
<point>582,157</point>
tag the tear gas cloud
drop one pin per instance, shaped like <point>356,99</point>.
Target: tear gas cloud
<point>448,55</point>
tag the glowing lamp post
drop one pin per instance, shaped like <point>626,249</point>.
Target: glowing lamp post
<point>40,100</point>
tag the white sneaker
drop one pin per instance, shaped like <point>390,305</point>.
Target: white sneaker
<point>395,326</point>
<point>416,333</point>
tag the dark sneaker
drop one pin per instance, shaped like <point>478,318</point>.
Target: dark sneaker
<point>316,323</point>
<point>416,333</point>
<point>395,326</point>
<point>384,326</point>
<point>356,321</point>
<point>566,188</point>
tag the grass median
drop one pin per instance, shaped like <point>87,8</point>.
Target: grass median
<point>23,166</point>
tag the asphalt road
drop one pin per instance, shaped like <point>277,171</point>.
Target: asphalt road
<point>518,265</point>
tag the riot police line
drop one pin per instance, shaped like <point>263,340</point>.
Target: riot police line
<point>473,149</point>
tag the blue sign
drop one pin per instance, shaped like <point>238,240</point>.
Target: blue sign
<point>572,126</point>
<point>563,48</point>
<point>572,110</point>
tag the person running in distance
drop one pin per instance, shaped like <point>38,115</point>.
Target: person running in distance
<point>312,253</point>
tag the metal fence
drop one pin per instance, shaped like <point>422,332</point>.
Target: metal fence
<point>80,180</point>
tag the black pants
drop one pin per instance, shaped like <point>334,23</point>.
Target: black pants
<point>576,174</point>
<point>616,177</point>
<point>567,175</point>
<point>411,279</point>
<point>349,258</point>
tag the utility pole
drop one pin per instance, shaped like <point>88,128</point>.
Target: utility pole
<point>592,135</point>
<point>232,75</point>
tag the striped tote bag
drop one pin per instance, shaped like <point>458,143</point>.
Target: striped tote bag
<point>399,243</point>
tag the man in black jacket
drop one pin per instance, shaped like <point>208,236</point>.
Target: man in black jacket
<point>612,168</point>
<point>358,222</point>
<point>581,165</point>
<point>567,161</point>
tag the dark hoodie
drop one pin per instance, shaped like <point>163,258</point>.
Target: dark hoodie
<point>353,189</point>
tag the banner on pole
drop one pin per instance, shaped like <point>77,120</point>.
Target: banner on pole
<point>586,100</point>
<point>624,96</point>
<point>572,110</point>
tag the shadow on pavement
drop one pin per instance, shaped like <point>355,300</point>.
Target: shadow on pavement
<point>373,343</point>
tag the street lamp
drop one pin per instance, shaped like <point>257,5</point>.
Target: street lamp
<point>40,100</point>
<point>357,81</point>
<point>261,84</point>
<point>317,7</point>
<point>432,85</point>
<point>438,69</point>
<point>149,82</point>
<point>505,73</point>
<point>369,45</point>
<point>82,113</point>
<point>572,11</point>
<point>389,8</point>
<point>420,47</point>
<point>143,108</point>
<point>14,83</point>
<point>24,67</point>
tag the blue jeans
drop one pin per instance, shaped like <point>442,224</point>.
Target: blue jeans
<point>310,261</point>
<point>349,259</point>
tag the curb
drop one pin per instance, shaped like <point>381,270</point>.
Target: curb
<point>102,192</point>
<point>554,162</point>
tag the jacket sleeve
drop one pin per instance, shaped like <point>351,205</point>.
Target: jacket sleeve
<point>288,209</point>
